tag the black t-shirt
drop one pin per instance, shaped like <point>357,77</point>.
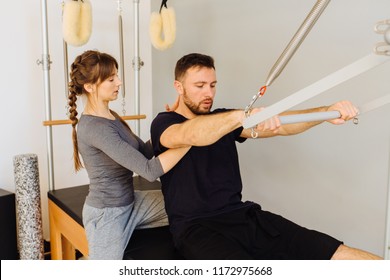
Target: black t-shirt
<point>205,182</point>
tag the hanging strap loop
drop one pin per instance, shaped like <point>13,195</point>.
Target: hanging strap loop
<point>162,27</point>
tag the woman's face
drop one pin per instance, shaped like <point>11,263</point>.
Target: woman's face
<point>108,90</point>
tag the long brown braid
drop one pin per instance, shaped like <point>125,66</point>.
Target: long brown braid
<point>90,67</point>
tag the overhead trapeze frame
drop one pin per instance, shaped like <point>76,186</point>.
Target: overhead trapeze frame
<point>45,62</point>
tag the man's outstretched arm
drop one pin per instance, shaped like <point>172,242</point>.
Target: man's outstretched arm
<point>202,130</point>
<point>273,127</point>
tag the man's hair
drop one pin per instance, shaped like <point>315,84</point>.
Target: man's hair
<point>192,60</point>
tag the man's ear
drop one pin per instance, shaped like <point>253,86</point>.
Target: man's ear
<point>178,86</point>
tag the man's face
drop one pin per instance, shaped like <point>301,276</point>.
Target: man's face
<point>199,87</point>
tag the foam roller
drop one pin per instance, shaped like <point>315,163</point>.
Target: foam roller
<point>28,207</point>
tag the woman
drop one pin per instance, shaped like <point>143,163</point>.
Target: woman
<point>111,153</point>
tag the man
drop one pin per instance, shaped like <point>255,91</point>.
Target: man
<point>202,192</point>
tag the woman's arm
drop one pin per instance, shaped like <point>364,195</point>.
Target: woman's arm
<point>171,157</point>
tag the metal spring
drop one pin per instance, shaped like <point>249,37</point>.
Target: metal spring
<point>296,41</point>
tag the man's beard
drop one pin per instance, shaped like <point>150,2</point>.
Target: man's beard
<point>195,108</point>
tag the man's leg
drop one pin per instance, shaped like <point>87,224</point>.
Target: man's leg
<point>347,253</point>
<point>203,243</point>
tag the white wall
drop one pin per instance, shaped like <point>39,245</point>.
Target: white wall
<point>333,179</point>
<point>23,106</point>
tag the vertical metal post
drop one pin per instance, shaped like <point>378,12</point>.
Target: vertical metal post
<point>137,63</point>
<point>122,56</point>
<point>46,78</point>
<point>66,75</point>
<point>66,67</point>
<point>387,233</point>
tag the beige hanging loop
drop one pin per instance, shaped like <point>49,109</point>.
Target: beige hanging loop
<point>77,22</point>
<point>162,28</point>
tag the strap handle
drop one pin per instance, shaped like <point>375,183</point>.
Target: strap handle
<point>163,4</point>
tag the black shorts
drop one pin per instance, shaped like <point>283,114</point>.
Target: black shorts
<point>251,233</point>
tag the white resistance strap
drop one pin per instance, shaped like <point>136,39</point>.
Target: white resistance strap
<point>356,68</point>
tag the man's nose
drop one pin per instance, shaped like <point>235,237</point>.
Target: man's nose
<point>210,91</point>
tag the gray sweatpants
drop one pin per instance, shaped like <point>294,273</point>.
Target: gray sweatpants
<point>109,229</point>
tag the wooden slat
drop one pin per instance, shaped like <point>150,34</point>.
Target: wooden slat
<point>60,122</point>
<point>66,234</point>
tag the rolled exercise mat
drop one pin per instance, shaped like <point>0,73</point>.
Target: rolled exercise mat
<point>28,207</point>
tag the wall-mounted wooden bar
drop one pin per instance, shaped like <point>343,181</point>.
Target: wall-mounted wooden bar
<point>60,122</point>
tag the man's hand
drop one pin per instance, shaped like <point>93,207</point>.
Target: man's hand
<point>347,111</point>
<point>270,125</point>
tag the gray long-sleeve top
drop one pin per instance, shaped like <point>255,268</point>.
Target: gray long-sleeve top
<point>111,153</point>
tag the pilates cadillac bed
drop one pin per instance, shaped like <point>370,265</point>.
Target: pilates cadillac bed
<point>67,235</point>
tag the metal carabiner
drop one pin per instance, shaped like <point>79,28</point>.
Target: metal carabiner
<point>248,109</point>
